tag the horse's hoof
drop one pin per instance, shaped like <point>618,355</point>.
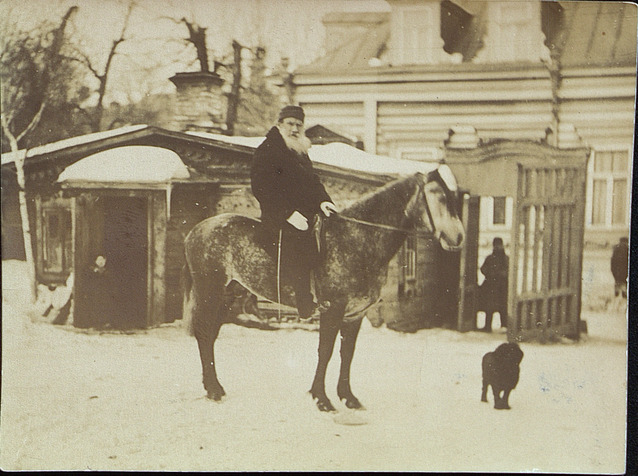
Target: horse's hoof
<point>325,406</point>
<point>216,395</point>
<point>354,403</point>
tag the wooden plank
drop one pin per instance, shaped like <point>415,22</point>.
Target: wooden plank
<point>525,249</point>
<point>466,316</point>
<point>514,325</point>
<point>157,256</point>
<point>538,234</point>
<point>576,261</point>
<point>556,247</point>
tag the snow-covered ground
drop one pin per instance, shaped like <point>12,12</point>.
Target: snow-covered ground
<point>77,400</point>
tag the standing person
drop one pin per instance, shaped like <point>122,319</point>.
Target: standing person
<point>290,196</point>
<point>495,269</point>
<point>620,266</point>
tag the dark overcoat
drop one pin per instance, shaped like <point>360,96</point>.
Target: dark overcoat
<point>284,181</point>
<point>494,289</point>
<point>620,262</point>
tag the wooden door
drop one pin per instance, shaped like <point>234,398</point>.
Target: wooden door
<point>546,261</point>
<point>126,252</point>
<point>468,287</point>
<point>88,237</point>
<point>115,295</point>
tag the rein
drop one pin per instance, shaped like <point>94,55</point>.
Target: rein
<point>394,228</point>
<point>379,225</point>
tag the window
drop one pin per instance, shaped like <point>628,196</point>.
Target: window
<point>56,241</point>
<point>462,27</point>
<point>498,215</point>
<point>608,204</point>
<point>416,32</point>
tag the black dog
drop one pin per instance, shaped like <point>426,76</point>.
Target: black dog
<point>501,370</point>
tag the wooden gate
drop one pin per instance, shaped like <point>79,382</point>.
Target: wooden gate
<point>468,286</point>
<point>546,260</point>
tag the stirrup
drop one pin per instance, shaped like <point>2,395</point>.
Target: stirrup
<point>316,312</point>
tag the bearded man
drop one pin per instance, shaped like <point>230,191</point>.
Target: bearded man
<point>290,196</point>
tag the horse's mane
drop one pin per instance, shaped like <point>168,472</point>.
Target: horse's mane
<point>386,198</point>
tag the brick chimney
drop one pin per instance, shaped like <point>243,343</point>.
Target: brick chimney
<point>201,104</point>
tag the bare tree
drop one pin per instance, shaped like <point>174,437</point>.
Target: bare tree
<point>197,36</point>
<point>103,77</point>
<point>18,95</point>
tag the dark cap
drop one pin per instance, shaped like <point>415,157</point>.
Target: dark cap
<point>498,241</point>
<point>291,111</point>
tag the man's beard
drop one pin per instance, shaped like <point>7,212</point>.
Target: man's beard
<point>300,145</point>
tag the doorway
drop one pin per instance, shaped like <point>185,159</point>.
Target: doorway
<point>125,248</point>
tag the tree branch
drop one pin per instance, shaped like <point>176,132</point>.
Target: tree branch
<point>33,123</point>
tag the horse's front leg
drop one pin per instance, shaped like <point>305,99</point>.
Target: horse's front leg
<point>349,333</point>
<point>328,328</point>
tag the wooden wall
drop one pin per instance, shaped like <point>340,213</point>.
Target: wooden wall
<point>600,104</point>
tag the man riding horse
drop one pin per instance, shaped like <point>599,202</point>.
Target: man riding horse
<point>291,198</point>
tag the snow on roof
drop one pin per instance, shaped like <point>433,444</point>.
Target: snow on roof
<point>253,142</point>
<point>9,157</point>
<point>344,156</point>
<point>127,164</point>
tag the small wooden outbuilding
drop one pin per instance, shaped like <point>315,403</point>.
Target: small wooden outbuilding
<point>129,197</point>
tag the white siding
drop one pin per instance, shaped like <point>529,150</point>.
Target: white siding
<point>410,125</point>
<point>346,117</point>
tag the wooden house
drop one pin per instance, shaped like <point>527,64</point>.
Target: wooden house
<point>563,72</point>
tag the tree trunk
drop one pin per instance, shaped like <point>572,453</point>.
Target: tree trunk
<point>24,216</point>
<point>233,98</point>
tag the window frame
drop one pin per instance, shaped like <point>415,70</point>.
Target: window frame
<point>609,178</point>
<point>62,208</point>
<point>487,214</point>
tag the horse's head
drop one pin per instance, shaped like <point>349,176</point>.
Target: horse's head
<point>434,207</point>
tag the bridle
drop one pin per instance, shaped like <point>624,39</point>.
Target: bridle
<point>395,228</point>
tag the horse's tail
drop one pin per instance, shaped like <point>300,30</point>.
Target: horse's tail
<point>187,285</point>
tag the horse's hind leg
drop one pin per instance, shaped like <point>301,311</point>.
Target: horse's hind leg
<point>328,329</point>
<point>349,333</point>
<point>207,320</point>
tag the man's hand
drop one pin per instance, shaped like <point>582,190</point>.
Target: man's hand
<point>328,208</point>
<point>299,221</point>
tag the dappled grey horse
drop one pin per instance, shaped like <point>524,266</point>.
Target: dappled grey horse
<point>359,244</point>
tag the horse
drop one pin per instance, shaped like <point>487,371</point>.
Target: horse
<point>359,243</point>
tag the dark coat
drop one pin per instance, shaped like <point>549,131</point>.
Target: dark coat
<point>620,263</point>
<point>284,181</point>
<point>494,289</point>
